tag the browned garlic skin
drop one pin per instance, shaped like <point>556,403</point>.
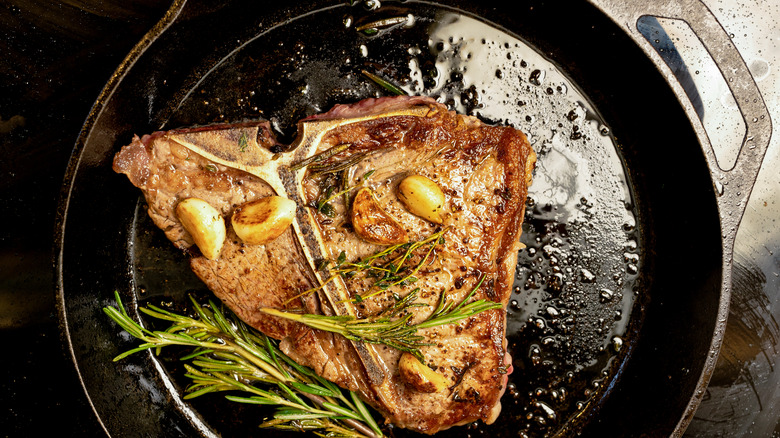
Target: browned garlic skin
<point>372,223</point>
<point>204,223</point>
<point>261,221</point>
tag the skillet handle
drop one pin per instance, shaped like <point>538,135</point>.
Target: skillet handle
<point>733,185</point>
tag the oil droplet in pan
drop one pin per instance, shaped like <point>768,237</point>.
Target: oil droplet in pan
<point>573,290</point>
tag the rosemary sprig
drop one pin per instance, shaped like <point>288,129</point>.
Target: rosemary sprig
<point>338,166</point>
<point>322,156</point>
<point>393,327</point>
<point>373,27</point>
<point>229,356</point>
<point>398,91</point>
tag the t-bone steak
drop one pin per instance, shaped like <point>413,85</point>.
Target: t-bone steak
<point>483,172</point>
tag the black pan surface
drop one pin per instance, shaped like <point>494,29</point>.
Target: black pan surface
<point>617,295</point>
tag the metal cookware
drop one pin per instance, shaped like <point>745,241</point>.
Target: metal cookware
<point>637,134</point>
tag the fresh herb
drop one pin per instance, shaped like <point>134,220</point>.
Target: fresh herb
<point>323,204</point>
<point>229,356</point>
<point>327,209</point>
<point>211,167</point>
<point>243,142</point>
<point>373,27</point>
<point>385,84</point>
<point>329,193</point>
<point>395,271</point>
<point>387,272</point>
<point>322,156</point>
<point>341,258</point>
<point>393,327</point>
<point>337,166</point>
<point>344,187</point>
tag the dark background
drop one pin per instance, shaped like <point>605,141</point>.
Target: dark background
<point>55,58</point>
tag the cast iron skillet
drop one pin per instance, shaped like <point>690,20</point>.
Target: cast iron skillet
<point>688,208</point>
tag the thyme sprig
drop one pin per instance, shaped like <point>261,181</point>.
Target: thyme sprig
<point>393,327</point>
<point>386,272</point>
<point>395,271</point>
<point>229,356</point>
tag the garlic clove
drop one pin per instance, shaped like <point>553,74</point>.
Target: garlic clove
<point>422,197</point>
<point>261,221</point>
<point>204,223</point>
<point>372,223</point>
<point>419,376</point>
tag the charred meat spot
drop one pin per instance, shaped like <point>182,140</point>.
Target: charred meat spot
<point>460,372</point>
<point>470,395</point>
<point>503,192</point>
<point>490,290</point>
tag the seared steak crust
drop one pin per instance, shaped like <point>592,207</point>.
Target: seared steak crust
<point>483,171</point>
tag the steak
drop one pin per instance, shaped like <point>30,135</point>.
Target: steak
<point>483,171</point>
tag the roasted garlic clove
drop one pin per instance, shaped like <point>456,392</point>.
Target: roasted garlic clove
<point>372,223</point>
<point>422,197</point>
<point>419,376</point>
<point>205,225</point>
<point>261,221</point>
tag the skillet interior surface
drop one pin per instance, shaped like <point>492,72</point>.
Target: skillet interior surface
<point>614,307</point>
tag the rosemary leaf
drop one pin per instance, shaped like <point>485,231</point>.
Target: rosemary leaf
<point>379,24</point>
<point>313,389</point>
<point>338,409</point>
<point>363,409</point>
<point>298,414</point>
<point>338,166</point>
<point>384,83</point>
